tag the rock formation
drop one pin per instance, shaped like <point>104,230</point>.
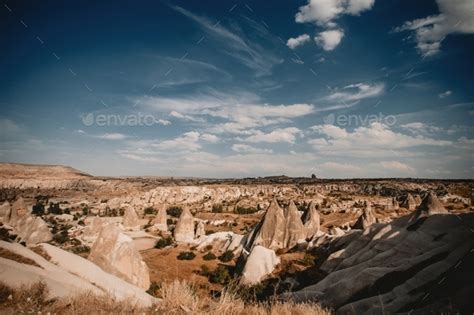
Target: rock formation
<point>160,221</point>
<point>130,219</point>
<point>409,203</point>
<point>200,230</point>
<point>311,221</point>
<point>66,275</point>
<point>33,230</point>
<point>366,219</point>
<point>260,263</point>
<point>294,230</point>
<point>92,229</point>
<point>270,232</point>
<point>393,269</point>
<point>5,210</point>
<point>430,205</point>
<point>116,253</point>
<point>18,211</point>
<point>184,231</point>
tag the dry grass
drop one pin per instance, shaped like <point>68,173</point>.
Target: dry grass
<point>5,253</point>
<point>177,298</point>
<point>40,251</point>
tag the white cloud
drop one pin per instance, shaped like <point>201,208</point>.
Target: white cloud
<point>178,115</point>
<point>323,12</point>
<point>357,92</point>
<point>445,94</point>
<point>455,17</point>
<point>245,51</point>
<point>420,128</point>
<point>397,166</point>
<point>112,136</point>
<point>189,141</point>
<point>330,39</point>
<point>340,167</point>
<point>210,138</point>
<point>278,135</point>
<point>245,148</point>
<point>375,140</point>
<point>297,41</point>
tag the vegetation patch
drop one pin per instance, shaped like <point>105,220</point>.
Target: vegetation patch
<point>186,256</point>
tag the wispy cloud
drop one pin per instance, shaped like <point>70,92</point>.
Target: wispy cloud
<point>357,92</point>
<point>238,46</point>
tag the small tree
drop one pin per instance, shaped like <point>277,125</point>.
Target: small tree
<point>38,209</point>
<point>174,211</point>
<point>186,256</point>
<point>217,208</point>
<point>209,256</point>
<point>227,256</point>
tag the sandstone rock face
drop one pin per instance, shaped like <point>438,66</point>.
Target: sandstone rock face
<point>130,219</point>
<point>184,231</point>
<point>33,230</point>
<point>270,232</point>
<point>5,210</point>
<point>311,221</point>
<point>200,230</point>
<point>409,203</point>
<point>160,221</point>
<point>366,219</point>
<point>295,231</point>
<point>392,269</point>
<point>67,275</point>
<point>116,253</point>
<point>260,263</point>
<point>19,211</point>
<point>430,205</point>
<point>92,230</point>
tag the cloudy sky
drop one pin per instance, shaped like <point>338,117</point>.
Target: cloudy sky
<point>338,88</point>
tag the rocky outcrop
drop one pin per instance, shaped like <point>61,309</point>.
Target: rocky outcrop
<point>395,269</point>
<point>92,229</point>
<point>19,211</point>
<point>66,275</point>
<point>294,231</point>
<point>366,219</point>
<point>409,203</point>
<point>184,230</point>
<point>116,253</point>
<point>270,231</point>
<point>429,205</point>
<point>160,221</point>
<point>33,230</point>
<point>261,262</point>
<point>311,221</point>
<point>5,210</point>
<point>200,230</point>
<point>130,219</point>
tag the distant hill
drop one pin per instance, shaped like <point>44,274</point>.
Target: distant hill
<point>37,171</point>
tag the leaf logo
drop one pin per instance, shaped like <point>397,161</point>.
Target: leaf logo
<point>330,119</point>
<point>88,119</point>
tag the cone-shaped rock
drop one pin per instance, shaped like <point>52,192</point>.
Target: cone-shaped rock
<point>295,232</point>
<point>116,253</point>
<point>200,230</point>
<point>33,230</point>
<point>19,211</point>
<point>271,230</point>
<point>366,219</point>
<point>184,231</point>
<point>409,202</point>
<point>130,219</point>
<point>429,205</point>
<point>160,221</point>
<point>311,220</point>
<point>5,210</point>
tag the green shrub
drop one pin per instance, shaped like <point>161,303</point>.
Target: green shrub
<point>174,211</point>
<point>61,238</point>
<point>186,256</point>
<point>205,271</point>
<point>85,211</point>
<point>245,210</point>
<point>308,259</point>
<point>150,210</point>
<point>209,256</point>
<point>219,275</point>
<point>38,209</point>
<point>54,208</point>
<point>217,208</point>
<point>227,256</point>
<point>164,242</point>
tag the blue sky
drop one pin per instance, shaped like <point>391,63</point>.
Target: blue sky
<point>339,88</point>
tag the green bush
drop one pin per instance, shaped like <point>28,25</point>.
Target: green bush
<point>205,271</point>
<point>85,211</point>
<point>245,210</point>
<point>186,256</point>
<point>226,256</point>
<point>217,208</point>
<point>61,238</point>
<point>219,275</point>
<point>308,259</point>
<point>38,209</point>
<point>150,210</point>
<point>164,242</point>
<point>54,208</point>
<point>209,256</point>
<point>174,211</point>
